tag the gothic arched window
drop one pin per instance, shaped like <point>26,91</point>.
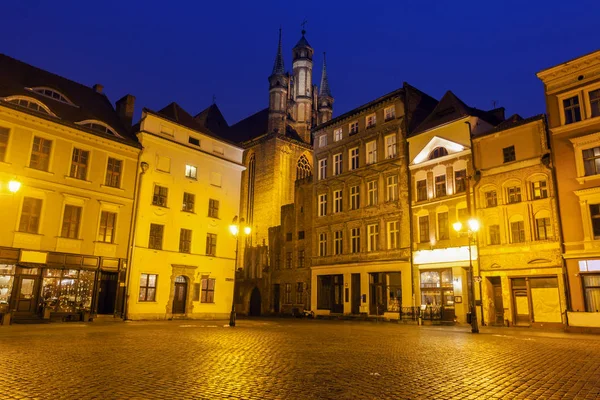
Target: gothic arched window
<point>438,152</point>
<point>251,178</point>
<point>303,168</point>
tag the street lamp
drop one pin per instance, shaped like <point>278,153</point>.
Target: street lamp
<point>14,186</point>
<point>234,228</point>
<point>472,229</point>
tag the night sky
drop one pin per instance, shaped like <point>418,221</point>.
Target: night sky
<point>188,51</point>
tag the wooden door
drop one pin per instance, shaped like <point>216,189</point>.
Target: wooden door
<point>337,304</point>
<point>276,297</point>
<point>27,294</point>
<point>108,292</point>
<point>180,295</point>
<point>355,289</point>
<point>498,304</point>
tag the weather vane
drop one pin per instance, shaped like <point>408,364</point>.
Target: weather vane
<point>304,26</point>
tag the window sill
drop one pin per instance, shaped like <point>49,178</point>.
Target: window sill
<point>101,242</point>
<point>208,216</point>
<point>112,188</point>
<point>185,211</point>
<point>584,179</point>
<point>192,180</point>
<point>5,163</point>
<point>68,238</point>
<point>40,170</point>
<point>70,178</point>
<point>159,206</point>
<point>30,233</point>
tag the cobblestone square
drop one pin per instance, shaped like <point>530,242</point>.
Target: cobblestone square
<point>293,359</point>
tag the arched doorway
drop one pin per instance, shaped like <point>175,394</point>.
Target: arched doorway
<point>255,301</point>
<point>180,295</point>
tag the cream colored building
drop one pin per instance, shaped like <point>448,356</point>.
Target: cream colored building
<point>520,252</point>
<point>65,233</point>
<point>572,92</point>
<point>360,233</point>
<point>441,168</point>
<point>183,256</point>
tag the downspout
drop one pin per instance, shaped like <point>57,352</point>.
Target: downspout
<point>552,169</point>
<point>132,230</point>
<point>409,189</point>
<point>475,183</point>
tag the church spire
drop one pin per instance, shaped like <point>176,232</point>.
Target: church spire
<point>324,89</point>
<point>278,67</point>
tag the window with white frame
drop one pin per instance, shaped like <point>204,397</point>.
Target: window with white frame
<point>372,193</point>
<point>40,153</point>
<point>539,190</point>
<point>322,244</point>
<point>392,187</point>
<point>337,134</point>
<point>513,194</point>
<point>390,146</point>
<point>390,113</point>
<point>323,168</point>
<point>422,190</point>
<point>491,198</point>
<point>460,181</point>
<point>372,152</point>
<point>543,228</point>
<point>113,173</point>
<point>322,140</point>
<point>148,287</point>
<point>354,158</point>
<point>594,97</point>
<point>31,213</point>
<point>591,161</point>
<point>337,164</point>
<point>338,242</point>
<point>424,229</point>
<point>393,235</point>
<point>572,110</point>
<point>373,236</point>
<point>108,223</point>
<point>353,127</point>
<point>71,222</point>
<point>355,240</point>
<point>337,201</point>
<point>191,172</point>
<point>322,204</point>
<point>595,216</point>
<point>354,197</point>
<point>79,164</point>
<point>440,186</point>
<point>371,120</point>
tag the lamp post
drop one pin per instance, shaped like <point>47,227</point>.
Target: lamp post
<point>472,229</point>
<point>234,228</point>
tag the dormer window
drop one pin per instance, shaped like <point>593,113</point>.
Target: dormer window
<point>30,103</point>
<point>99,127</point>
<point>438,152</point>
<point>53,94</point>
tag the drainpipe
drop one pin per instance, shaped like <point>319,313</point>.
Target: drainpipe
<point>474,186</point>
<point>132,229</point>
<point>410,216</point>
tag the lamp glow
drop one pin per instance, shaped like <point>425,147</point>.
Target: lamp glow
<point>473,225</point>
<point>14,186</point>
<point>234,229</point>
<point>247,230</point>
<point>457,226</point>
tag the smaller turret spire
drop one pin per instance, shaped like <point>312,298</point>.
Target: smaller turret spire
<point>324,89</point>
<point>278,67</point>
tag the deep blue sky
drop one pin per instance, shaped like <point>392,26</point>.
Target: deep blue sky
<point>186,51</point>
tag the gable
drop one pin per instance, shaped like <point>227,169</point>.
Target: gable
<point>437,142</point>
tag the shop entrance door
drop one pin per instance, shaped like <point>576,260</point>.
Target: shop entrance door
<point>180,295</point>
<point>355,289</point>
<point>498,301</point>
<point>276,297</point>
<point>520,297</point>
<point>108,292</point>
<point>28,288</point>
<point>337,304</point>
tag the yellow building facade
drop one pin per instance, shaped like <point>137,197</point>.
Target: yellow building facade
<point>572,92</point>
<point>183,258</point>
<point>520,254</point>
<point>65,233</point>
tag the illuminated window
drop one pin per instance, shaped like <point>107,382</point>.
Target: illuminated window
<point>79,164</point>
<point>422,190</point>
<point>595,102</point>
<point>156,236</point>
<point>393,235</point>
<point>508,153</point>
<point>572,110</point>
<point>303,168</point>
<point>371,152</point>
<point>373,236</point>
<point>371,120</point>
<point>372,193</point>
<point>438,152</point>
<point>338,242</point>
<point>539,190</point>
<point>591,289</point>
<point>71,220</point>
<point>148,287</point>
<point>355,197</point>
<point>353,127</point>
<point>354,159</point>
<point>189,200</point>
<point>108,222</point>
<point>322,140</point>
<point>390,146</point>
<point>591,161</point>
<point>323,168</point>
<point>337,164</point>
<point>30,215</point>
<point>392,187</point>
<point>160,196</point>
<point>424,229</point>
<point>443,227</point>
<point>191,172</point>
<point>440,186</point>
<point>460,181</point>
<point>337,201</point>
<point>355,240</point>
<point>185,241</point>
<point>211,244</point>
<point>322,244</point>
<point>322,205</point>
<point>113,173</point>
<point>390,113</point>
<point>40,153</point>
<point>337,134</point>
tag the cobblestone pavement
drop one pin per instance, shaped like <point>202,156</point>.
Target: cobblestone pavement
<point>292,359</point>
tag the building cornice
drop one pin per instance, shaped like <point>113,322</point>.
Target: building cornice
<point>567,68</point>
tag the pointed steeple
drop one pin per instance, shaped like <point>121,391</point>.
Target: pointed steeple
<point>324,89</point>
<point>278,67</point>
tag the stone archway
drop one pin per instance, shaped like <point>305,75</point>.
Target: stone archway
<point>255,303</point>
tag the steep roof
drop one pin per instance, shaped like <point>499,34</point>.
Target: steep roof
<point>212,119</point>
<point>324,90</point>
<point>512,122</point>
<point>302,42</point>
<point>451,108</point>
<point>278,66</point>
<point>18,78</point>
<point>249,128</point>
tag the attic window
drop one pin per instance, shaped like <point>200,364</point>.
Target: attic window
<point>194,141</point>
<point>99,127</point>
<point>30,103</point>
<point>51,93</point>
<point>438,152</point>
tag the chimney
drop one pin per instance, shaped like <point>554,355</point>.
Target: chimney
<point>125,108</point>
<point>498,113</point>
<point>98,88</point>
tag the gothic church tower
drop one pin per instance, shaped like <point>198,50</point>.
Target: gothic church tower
<point>278,93</point>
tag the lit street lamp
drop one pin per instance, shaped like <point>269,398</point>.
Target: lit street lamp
<point>234,228</point>
<point>472,229</point>
<point>14,186</point>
